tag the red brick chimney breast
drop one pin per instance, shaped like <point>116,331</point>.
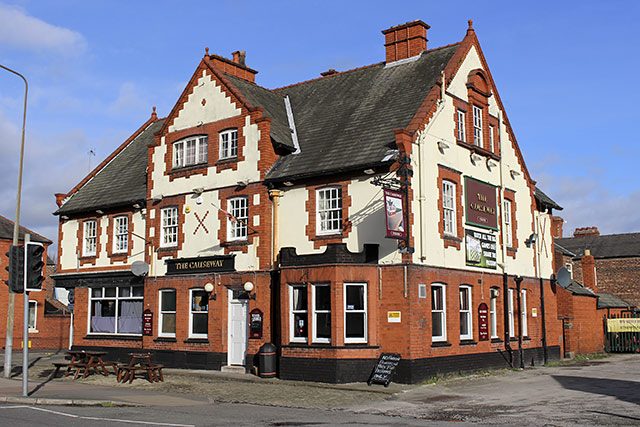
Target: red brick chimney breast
<point>406,40</point>
<point>556,227</point>
<point>589,271</point>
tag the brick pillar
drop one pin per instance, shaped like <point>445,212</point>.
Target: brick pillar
<point>589,271</point>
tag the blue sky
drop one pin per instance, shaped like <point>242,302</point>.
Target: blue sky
<point>566,72</point>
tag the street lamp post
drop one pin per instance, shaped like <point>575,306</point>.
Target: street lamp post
<point>8,346</point>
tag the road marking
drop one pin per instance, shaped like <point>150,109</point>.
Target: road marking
<point>82,417</point>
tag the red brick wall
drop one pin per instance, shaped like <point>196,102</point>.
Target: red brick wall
<point>583,330</point>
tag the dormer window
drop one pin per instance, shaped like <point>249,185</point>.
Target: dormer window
<point>229,144</point>
<point>190,151</point>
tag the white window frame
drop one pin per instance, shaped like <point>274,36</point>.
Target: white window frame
<point>228,144</point>
<point>237,228</point>
<point>192,312</point>
<point>523,313</point>
<point>90,238</point>
<point>508,230</point>
<point>329,210</point>
<point>512,323</point>
<point>493,313</point>
<point>449,207</point>
<point>162,312</point>
<point>363,339</point>
<point>293,312</point>
<point>33,327</point>
<point>465,313</point>
<point>120,234</point>
<point>442,312</point>
<point>116,298</point>
<point>316,312</point>
<point>492,138</point>
<point>190,151</point>
<point>461,126</point>
<point>569,268</point>
<point>169,227</point>
<point>477,126</point>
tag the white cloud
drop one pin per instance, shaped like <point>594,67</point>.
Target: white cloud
<point>22,31</point>
<point>129,101</point>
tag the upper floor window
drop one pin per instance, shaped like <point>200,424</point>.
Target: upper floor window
<point>169,230</point>
<point>492,139</point>
<point>438,313</point>
<point>238,207</point>
<point>229,143</point>
<point>477,126</point>
<point>466,329</point>
<point>508,238</point>
<point>190,151</point>
<point>90,238</point>
<point>449,207</point>
<point>329,210</point>
<point>120,234</point>
<point>355,312</point>
<point>461,124</point>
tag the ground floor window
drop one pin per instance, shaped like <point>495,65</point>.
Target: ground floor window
<point>199,314</point>
<point>511,318</point>
<point>116,310</point>
<point>523,313</point>
<point>321,313</point>
<point>493,305</point>
<point>466,330</point>
<point>33,314</point>
<point>298,313</point>
<point>438,313</point>
<point>167,322</point>
<point>355,312</point>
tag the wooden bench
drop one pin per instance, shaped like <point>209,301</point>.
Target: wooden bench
<point>128,372</point>
<point>69,366</point>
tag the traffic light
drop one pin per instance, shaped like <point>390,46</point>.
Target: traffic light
<point>15,269</point>
<point>34,266</point>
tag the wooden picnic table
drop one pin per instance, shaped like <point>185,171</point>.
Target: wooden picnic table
<point>83,362</point>
<point>140,362</point>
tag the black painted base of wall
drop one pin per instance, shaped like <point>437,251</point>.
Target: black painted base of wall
<point>408,371</point>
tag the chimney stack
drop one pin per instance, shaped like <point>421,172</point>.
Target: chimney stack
<point>406,40</point>
<point>589,279</point>
<point>556,227</point>
<point>586,232</point>
<point>236,66</point>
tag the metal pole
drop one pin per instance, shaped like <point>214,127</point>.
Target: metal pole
<point>25,324</point>
<point>8,345</point>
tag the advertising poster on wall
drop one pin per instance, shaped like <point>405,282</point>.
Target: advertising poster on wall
<point>480,203</point>
<point>480,249</point>
<point>394,214</point>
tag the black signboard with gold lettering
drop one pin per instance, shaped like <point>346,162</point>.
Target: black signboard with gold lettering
<point>480,203</point>
<point>206,264</point>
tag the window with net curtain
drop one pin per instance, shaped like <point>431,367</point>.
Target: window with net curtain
<point>117,310</point>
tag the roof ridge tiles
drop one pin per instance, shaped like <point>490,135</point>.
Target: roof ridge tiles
<point>226,75</point>
<point>328,76</point>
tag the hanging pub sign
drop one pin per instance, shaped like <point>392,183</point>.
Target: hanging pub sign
<point>481,206</point>
<point>480,249</point>
<point>483,322</point>
<point>255,323</point>
<point>394,214</point>
<point>203,264</point>
<point>147,322</point>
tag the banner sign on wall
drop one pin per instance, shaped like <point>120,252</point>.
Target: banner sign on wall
<point>623,325</point>
<point>481,206</point>
<point>480,249</point>
<point>394,214</point>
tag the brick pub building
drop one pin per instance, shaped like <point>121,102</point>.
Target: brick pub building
<point>385,209</point>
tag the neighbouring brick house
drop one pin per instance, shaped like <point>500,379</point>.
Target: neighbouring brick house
<point>48,317</point>
<point>382,209</point>
<point>602,269</point>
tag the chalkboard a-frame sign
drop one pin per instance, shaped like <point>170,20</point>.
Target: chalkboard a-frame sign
<point>383,370</point>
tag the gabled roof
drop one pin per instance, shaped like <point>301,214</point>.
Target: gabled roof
<point>345,121</point>
<point>545,200</point>
<point>606,300</point>
<point>6,232</point>
<point>121,181</point>
<point>606,246</point>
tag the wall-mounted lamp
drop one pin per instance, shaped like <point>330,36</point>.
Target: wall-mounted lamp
<point>157,198</point>
<point>475,158</point>
<point>495,292</point>
<point>288,183</point>
<point>209,288</point>
<point>369,171</point>
<point>64,217</point>
<point>136,206</point>
<point>248,287</point>
<point>243,183</point>
<point>198,191</point>
<point>514,173</point>
<point>532,239</point>
<point>491,164</point>
<point>99,212</point>
<point>442,146</point>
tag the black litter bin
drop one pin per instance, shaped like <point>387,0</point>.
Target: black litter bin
<point>267,361</point>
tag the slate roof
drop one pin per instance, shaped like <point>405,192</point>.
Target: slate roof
<point>122,181</point>
<point>6,232</point>
<point>606,246</point>
<point>346,121</point>
<point>273,105</point>
<point>545,200</point>
<point>606,300</point>
<point>577,289</point>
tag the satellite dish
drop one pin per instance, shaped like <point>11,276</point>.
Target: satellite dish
<point>564,277</point>
<point>139,268</point>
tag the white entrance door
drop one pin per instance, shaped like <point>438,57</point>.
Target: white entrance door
<point>238,326</point>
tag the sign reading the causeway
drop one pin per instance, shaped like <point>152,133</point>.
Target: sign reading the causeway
<point>201,264</point>
<point>480,203</point>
